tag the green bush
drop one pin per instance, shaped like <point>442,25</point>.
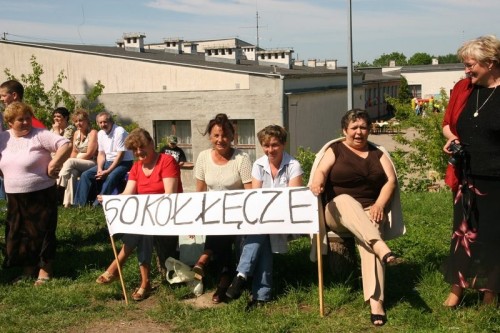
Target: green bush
<point>306,159</point>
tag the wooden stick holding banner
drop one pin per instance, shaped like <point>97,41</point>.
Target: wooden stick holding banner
<point>236,212</point>
<point>320,276</point>
<point>119,269</point>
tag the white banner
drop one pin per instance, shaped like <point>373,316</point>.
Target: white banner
<point>289,210</point>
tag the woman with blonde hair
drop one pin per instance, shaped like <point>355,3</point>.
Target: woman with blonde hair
<point>82,158</point>
<point>472,128</point>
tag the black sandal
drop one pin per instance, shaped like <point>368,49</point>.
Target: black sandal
<point>390,254</point>
<point>378,317</point>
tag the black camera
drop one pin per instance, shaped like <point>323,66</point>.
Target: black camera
<point>457,153</point>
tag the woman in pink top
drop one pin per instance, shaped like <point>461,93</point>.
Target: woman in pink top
<point>30,175</point>
<point>153,173</point>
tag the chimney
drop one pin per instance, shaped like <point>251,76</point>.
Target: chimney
<point>331,64</point>
<point>392,63</point>
<point>134,41</point>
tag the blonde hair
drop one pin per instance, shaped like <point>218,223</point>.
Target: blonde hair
<point>16,109</point>
<point>483,49</point>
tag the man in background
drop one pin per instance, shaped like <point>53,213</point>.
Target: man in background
<point>172,149</point>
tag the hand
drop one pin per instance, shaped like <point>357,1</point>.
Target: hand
<point>448,143</point>
<point>376,213</point>
<point>101,174</point>
<point>99,198</point>
<point>53,170</point>
<point>316,189</point>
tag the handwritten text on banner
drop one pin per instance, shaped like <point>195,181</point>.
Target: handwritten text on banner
<point>292,210</point>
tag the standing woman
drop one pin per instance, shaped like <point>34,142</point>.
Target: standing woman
<point>30,183</point>
<point>153,173</point>
<point>221,168</point>
<point>472,120</point>
<point>275,169</point>
<point>83,155</point>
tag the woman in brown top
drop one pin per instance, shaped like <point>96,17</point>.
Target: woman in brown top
<point>359,181</point>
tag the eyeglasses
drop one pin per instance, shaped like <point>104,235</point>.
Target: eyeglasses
<point>470,66</point>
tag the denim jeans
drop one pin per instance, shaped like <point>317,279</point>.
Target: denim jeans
<point>2,190</point>
<point>256,260</point>
<point>110,183</point>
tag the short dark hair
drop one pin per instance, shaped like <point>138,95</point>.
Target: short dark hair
<point>62,111</point>
<point>221,120</point>
<point>14,86</point>
<point>353,115</point>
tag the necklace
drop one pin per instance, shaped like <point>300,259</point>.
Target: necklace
<point>486,101</point>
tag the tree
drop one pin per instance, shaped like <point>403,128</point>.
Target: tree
<point>44,102</point>
<point>448,59</point>
<point>363,64</point>
<point>385,59</point>
<point>404,95</point>
<point>420,58</point>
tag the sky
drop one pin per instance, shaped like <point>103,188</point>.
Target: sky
<point>315,29</point>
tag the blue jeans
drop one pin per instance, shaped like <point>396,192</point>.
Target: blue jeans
<point>257,260</point>
<point>110,183</point>
<point>2,190</point>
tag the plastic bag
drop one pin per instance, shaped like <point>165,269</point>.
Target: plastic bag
<point>177,271</point>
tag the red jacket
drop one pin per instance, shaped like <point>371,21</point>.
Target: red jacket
<point>459,96</point>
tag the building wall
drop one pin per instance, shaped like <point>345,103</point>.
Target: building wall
<point>314,117</point>
<point>117,75</point>
<point>432,81</point>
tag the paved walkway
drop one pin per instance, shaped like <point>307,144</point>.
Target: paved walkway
<point>387,140</point>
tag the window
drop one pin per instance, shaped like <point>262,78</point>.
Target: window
<point>244,137</point>
<point>415,90</point>
<point>179,128</point>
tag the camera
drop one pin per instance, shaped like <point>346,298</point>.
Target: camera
<point>457,153</point>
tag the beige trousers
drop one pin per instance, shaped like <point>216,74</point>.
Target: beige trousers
<point>68,176</point>
<point>345,214</point>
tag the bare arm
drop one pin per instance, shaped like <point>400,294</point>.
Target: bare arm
<point>247,186</point>
<point>377,209</point>
<point>296,181</point>
<point>92,147</point>
<point>170,185</point>
<point>116,162</point>
<point>58,160</point>
<point>201,186</point>
<point>74,152</point>
<point>320,175</point>
<point>450,136</point>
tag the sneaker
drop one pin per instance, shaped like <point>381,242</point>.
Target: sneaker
<point>236,288</point>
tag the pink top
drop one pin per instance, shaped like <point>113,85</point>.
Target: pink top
<point>24,160</point>
<point>166,167</point>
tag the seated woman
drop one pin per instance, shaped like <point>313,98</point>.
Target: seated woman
<point>153,173</point>
<point>275,169</point>
<point>83,155</point>
<point>61,125</point>
<point>359,182</point>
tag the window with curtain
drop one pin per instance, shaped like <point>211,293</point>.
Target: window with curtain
<point>180,128</point>
<point>244,138</point>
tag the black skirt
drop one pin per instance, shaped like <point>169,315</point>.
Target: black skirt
<point>30,231</point>
<point>474,260</point>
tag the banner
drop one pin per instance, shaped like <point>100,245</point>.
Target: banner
<point>289,210</point>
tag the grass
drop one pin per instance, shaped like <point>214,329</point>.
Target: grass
<point>73,302</point>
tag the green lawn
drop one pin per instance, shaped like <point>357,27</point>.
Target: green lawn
<point>73,302</point>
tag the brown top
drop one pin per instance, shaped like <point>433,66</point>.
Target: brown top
<point>361,178</point>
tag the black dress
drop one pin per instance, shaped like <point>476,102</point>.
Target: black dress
<point>474,260</point>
